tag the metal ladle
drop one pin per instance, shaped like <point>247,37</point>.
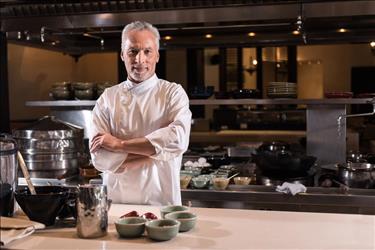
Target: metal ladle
<point>25,173</point>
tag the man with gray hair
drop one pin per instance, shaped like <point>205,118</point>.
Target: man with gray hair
<point>141,127</point>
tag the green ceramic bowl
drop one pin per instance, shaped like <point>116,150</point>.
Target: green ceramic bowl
<point>162,229</point>
<point>170,209</point>
<point>130,227</point>
<point>187,219</point>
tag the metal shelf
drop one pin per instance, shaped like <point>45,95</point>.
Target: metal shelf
<point>91,103</point>
<point>62,103</point>
<point>282,101</point>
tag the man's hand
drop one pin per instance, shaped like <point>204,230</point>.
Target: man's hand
<point>106,141</point>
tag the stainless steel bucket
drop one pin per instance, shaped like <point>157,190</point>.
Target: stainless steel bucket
<point>92,211</point>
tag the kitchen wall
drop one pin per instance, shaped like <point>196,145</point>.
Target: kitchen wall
<point>337,61</point>
<point>32,71</point>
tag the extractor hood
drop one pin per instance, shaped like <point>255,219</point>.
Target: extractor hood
<point>78,27</point>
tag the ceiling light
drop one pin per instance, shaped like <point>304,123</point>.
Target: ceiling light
<point>372,44</point>
<point>208,36</point>
<point>342,30</point>
<point>296,32</point>
<point>167,38</point>
<point>251,34</point>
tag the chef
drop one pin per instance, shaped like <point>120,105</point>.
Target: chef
<point>140,127</point>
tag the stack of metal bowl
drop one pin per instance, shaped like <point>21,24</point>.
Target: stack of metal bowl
<point>51,148</point>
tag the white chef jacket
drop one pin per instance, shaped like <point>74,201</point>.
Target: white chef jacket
<point>155,109</point>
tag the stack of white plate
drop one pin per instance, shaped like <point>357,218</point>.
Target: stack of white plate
<point>282,90</point>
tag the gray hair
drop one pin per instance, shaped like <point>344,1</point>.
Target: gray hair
<point>139,25</point>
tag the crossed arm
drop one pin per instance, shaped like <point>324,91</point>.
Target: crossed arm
<point>138,149</point>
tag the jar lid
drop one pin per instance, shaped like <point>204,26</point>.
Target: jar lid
<point>8,145</point>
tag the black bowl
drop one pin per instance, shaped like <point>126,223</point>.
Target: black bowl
<point>201,92</point>
<point>45,205</point>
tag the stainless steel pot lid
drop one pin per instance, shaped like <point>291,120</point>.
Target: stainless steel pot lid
<point>47,128</point>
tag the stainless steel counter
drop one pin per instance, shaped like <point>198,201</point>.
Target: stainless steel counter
<point>316,199</point>
<point>257,197</point>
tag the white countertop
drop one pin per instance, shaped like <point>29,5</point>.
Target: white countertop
<point>226,229</point>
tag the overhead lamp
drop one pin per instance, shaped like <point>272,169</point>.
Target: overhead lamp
<point>342,30</point>
<point>167,38</point>
<point>208,36</point>
<point>296,32</point>
<point>251,34</point>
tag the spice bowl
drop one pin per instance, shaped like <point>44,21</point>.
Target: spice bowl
<point>162,229</point>
<point>220,183</point>
<point>242,180</point>
<point>131,227</point>
<point>170,209</point>
<point>187,219</point>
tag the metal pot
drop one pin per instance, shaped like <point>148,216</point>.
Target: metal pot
<point>51,147</point>
<point>357,175</point>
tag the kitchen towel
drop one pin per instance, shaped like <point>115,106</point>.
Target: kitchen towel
<point>291,188</point>
<point>13,229</point>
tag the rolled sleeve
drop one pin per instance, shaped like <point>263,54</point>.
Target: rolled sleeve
<point>173,140</point>
<point>104,160</point>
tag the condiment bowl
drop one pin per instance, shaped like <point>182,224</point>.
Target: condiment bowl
<point>130,227</point>
<point>242,180</point>
<point>162,229</point>
<point>170,209</point>
<point>220,183</point>
<point>184,181</point>
<point>200,181</point>
<point>187,219</point>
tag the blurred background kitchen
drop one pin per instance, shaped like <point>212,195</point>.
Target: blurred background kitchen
<point>255,71</point>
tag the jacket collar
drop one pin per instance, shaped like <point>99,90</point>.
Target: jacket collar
<point>138,88</point>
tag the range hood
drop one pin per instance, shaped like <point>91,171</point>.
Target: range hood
<point>78,27</point>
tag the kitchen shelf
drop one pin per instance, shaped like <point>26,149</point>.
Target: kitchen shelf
<point>281,101</point>
<point>61,103</point>
<point>91,103</point>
